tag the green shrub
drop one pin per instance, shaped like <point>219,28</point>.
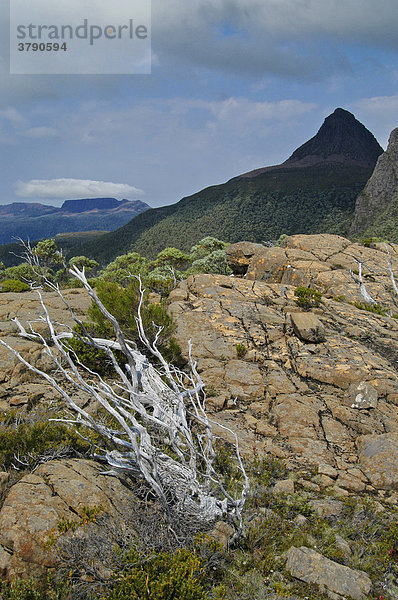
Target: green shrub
<point>206,246</point>
<point>307,298</point>
<point>123,304</point>
<point>29,441</point>
<point>173,257</point>
<point>376,309</point>
<point>371,242</point>
<point>28,590</point>
<point>123,267</point>
<point>14,285</point>
<point>241,350</point>
<point>91,357</point>
<point>23,272</point>
<point>162,576</point>
<point>215,262</point>
<point>163,279</point>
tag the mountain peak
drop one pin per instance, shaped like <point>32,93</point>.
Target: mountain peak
<point>341,138</point>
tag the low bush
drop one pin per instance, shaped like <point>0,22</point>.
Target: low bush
<point>28,442</point>
<point>89,356</point>
<point>162,576</point>
<point>307,298</point>
<point>28,590</point>
<point>13,285</point>
<point>123,304</point>
<point>377,309</point>
<point>241,350</point>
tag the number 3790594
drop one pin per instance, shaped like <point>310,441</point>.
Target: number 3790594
<point>42,47</point>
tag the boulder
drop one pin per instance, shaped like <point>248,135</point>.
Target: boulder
<point>308,327</point>
<point>284,486</point>
<point>310,566</point>
<point>239,256</point>
<point>378,455</point>
<point>363,395</point>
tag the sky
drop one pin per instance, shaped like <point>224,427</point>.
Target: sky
<point>235,85</point>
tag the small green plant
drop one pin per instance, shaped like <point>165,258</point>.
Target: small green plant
<point>162,576</point>
<point>90,514</point>
<point>376,309</point>
<point>211,391</point>
<point>241,350</point>
<point>339,298</point>
<point>371,242</point>
<point>307,298</point>
<point>89,356</point>
<point>29,590</point>
<point>28,442</point>
<point>14,285</point>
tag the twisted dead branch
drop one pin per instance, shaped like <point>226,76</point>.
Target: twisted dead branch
<point>157,422</point>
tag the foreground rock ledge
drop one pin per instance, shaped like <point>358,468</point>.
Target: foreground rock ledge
<point>310,566</point>
<point>37,503</point>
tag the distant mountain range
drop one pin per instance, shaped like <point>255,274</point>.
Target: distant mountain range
<point>36,221</point>
<point>313,191</point>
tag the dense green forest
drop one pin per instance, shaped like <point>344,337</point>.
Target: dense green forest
<point>317,199</point>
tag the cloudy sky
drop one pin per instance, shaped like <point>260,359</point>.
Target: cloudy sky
<point>235,85</point>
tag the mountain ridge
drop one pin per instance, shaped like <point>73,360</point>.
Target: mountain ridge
<point>291,198</point>
<point>35,221</point>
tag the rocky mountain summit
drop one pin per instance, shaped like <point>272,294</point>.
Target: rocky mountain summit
<point>376,207</point>
<point>312,382</point>
<point>340,139</point>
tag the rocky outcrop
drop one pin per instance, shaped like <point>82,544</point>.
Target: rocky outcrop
<point>325,262</point>
<point>378,455</point>
<point>311,567</point>
<point>376,207</point>
<point>57,492</point>
<point>18,385</point>
<point>306,392</point>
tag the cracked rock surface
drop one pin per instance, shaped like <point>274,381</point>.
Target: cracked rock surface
<point>290,381</point>
<point>317,388</point>
<point>56,491</point>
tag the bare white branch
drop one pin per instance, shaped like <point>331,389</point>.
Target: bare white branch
<point>157,422</point>
<point>362,288</point>
<point>390,270</point>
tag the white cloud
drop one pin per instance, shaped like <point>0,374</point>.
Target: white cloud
<point>74,188</point>
<point>41,132</point>
<point>378,105</point>
<point>183,119</point>
<point>380,114</point>
<point>13,116</point>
